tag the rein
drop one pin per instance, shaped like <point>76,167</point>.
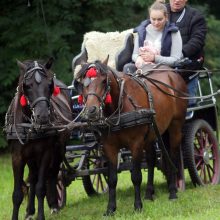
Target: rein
<point>184,96</point>
<point>121,83</point>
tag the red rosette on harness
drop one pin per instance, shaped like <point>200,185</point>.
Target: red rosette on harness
<point>91,73</point>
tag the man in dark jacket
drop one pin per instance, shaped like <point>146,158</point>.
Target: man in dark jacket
<point>192,26</point>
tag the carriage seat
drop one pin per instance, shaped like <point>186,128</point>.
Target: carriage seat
<point>98,45</point>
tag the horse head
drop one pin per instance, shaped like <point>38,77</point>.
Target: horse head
<point>93,84</point>
<point>36,86</point>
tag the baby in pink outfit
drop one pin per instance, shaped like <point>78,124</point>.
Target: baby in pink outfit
<point>148,47</point>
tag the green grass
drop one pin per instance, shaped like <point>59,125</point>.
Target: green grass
<point>200,203</point>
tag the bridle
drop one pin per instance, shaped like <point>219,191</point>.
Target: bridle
<point>38,72</point>
<point>88,80</point>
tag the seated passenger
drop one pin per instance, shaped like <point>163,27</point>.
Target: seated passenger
<point>157,40</point>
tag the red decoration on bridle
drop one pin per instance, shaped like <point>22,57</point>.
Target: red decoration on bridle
<point>91,73</point>
<point>23,101</point>
<point>108,99</point>
<point>56,90</point>
<point>80,99</point>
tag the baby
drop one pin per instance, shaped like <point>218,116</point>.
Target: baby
<point>148,47</point>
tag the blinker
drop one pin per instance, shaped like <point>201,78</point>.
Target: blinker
<point>38,77</point>
<point>86,82</point>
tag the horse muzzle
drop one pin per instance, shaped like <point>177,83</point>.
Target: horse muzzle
<point>92,113</point>
<point>41,117</point>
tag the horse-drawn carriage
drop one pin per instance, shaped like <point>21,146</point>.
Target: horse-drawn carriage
<point>199,147</point>
<point>84,154</point>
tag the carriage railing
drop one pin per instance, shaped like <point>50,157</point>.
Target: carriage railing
<point>205,87</point>
<point>206,74</point>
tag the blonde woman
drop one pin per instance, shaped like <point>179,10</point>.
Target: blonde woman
<point>157,40</point>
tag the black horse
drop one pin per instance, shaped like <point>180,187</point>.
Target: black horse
<point>33,126</point>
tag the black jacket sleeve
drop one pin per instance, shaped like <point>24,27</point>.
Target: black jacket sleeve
<point>197,34</point>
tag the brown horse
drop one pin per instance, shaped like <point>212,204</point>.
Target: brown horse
<point>111,97</point>
<point>37,109</point>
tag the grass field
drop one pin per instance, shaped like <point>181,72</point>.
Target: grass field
<point>200,203</point>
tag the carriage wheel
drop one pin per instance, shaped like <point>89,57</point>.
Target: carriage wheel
<point>201,153</point>
<point>97,183</point>
<point>61,191</point>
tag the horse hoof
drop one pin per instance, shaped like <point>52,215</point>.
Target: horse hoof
<point>54,211</point>
<point>173,197</point>
<point>138,207</point>
<point>29,217</point>
<point>137,210</point>
<point>109,213</point>
<point>149,197</point>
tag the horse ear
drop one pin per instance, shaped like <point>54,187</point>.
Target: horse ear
<point>106,60</point>
<point>21,65</point>
<point>82,62</point>
<point>49,63</point>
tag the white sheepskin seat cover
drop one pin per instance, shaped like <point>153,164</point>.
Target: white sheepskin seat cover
<point>99,45</point>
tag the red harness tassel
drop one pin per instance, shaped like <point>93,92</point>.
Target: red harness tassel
<point>108,99</point>
<point>23,101</point>
<point>80,99</point>
<point>56,90</point>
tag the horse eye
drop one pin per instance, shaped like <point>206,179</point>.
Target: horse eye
<point>51,87</point>
<point>26,87</point>
<point>104,81</point>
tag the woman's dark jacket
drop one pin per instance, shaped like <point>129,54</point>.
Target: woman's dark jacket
<point>166,41</point>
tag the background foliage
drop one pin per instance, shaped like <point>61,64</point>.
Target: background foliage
<point>38,29</point>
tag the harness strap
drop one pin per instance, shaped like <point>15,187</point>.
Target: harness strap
<point>144,85</point>
<point>39,99</point>
<point>163,148</point>
<point>120,82</point>
<point>57,109</point>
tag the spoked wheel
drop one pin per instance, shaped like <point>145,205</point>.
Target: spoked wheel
<point>201,153</point>
<point>96,183</point>
<point>61,191</point>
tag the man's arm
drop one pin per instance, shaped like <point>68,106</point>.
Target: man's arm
<point>197,37</point>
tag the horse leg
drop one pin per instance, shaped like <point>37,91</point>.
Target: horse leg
<point>136,177</point>
<point>175,136</point>
<point>41,185</point>
<point>51,191</point>
<point>32,178</point>
<point>18,172</point>
<point>151,158</point>
<point>112,183</point>
<point>52,194</point>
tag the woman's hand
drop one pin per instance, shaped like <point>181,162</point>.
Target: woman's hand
<point>148,56</point>
<point>139,62</point>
